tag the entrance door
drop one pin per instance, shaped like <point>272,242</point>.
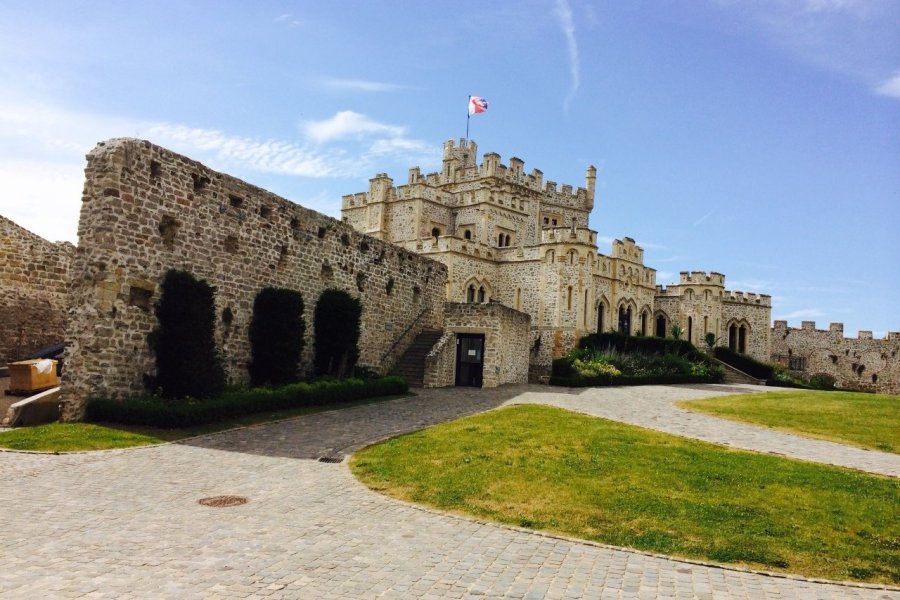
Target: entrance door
<point>469,359</point>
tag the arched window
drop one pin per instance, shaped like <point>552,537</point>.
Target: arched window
<point>481,295</point>
<point>500,239</point>
<point>660,326</point>
<point>507,240</point>
<point>435,232</point>
<point>569,299</point>
<point>470,293</point>
<point>690,329</point>
<point>732,338</point>
<point>742,339</point>
<point>468,234</point>
<point>644,323</point>
<point>586,307</point>
<point>600,311</point>
<point>625,320</point>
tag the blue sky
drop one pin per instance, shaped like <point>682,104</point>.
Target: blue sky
<point>757,138</point>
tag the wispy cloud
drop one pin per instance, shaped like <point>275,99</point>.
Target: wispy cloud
<point>670,259</point>
<point>704,217</point>
<point>890,86</point>
<point>803,313</point>
<point>362,85</point>
<point>288,19</point>
<point>856,38</point>
<point>564,15</point>
<point>348,124</point>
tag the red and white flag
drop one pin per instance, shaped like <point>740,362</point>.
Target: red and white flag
<point>477,105</point>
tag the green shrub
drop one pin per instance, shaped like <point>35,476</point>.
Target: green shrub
<point>822,381</point>
<point>744,363</point>
<point>158,412</point>
<point>336,321</point>
<point>187,361</point>
<point>276,336</point>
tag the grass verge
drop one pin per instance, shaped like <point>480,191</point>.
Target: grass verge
<point>546,468</point>
<point>865,420</point>
<point>76,437</point>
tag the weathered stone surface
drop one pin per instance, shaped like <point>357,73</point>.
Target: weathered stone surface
<point>861,363</point>
<point>146,210</point>
<point>34,275</point>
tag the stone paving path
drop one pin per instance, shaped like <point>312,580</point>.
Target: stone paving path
<point>126,524</point>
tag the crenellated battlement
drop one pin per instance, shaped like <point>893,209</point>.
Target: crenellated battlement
<point>747,298</point>
<point>627,249</point>
<point>701,278</point>
<point>567,235</point>
<point>836,330</point>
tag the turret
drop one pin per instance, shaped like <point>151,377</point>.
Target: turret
<point>591,182</point>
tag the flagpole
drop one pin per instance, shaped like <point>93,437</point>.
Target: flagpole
<point>468,116</point>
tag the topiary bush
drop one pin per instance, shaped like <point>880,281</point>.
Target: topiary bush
<point>336,320</point>
<point>276,336</point>
<point>187,360</point>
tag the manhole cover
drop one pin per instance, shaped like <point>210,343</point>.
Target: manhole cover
<point>331,459</point>
<point>223,501</point>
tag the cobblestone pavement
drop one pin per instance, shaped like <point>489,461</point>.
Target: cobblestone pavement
<point>126,524</point>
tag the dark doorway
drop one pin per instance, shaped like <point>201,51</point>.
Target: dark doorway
<point>469,359</point>
<point>660,326</point>
<point>625,320</point>
<point>600,318</point>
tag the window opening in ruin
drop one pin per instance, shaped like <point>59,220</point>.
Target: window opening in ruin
<point>435,232</point>
<point>200,182</point>
<point>625,320</point>
<point>467,234</point>
<point>265,212</point>
<point>235,201</point>
<point>554,222</point>
<point>874,378</point>
<point>321,232</point>
<point>690,329</point>
<point>546,221</point>
<point>155,169</point>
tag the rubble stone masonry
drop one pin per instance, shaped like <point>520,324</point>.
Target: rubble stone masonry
<point>34,275</point>
<point>860,363</point>
<point>146,209</point>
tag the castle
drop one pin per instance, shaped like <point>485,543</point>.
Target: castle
<point>488,272</point>
<point>511,237</point>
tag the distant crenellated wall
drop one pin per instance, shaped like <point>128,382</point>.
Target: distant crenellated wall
<point>860,363</point>
<point>34,275</point>
<point>146,210</point>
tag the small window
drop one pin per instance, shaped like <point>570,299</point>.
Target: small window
<point>481,294</point>
<point>500,239</point>
<point>554,222</point>
<point>468,234</point>
<point>546,221</point>
<point>470,294</point>
<point>435,232</point>
<point>507,240</point>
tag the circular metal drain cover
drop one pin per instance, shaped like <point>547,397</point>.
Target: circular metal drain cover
<point>223,501</point>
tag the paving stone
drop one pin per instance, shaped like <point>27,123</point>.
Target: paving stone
<point>126,523</point>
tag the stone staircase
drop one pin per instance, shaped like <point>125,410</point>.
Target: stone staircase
<point>411,365</point>
<point>733,375</point>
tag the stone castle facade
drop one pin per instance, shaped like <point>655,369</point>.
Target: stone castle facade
<point>512,237</point>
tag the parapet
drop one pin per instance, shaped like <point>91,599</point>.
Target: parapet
<point>702,278</point>
<point>748,298</point>
<point>834,329</point>
<point>628,249</point>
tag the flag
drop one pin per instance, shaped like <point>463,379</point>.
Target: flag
<point>477,105</point>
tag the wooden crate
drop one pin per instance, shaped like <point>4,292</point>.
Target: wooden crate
<point>25,377</point>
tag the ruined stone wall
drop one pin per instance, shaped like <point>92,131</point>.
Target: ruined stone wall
<point>34,276</point>
<point>146,210</point>
<point>860,363</point>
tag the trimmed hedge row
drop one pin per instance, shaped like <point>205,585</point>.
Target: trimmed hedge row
<point>742,362</point>
<point>625,344</point>
<point>606,380</point>
<point>157,412</point>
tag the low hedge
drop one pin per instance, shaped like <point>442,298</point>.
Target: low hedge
<point>171,414</point>
<point>625,344</point>
<point>744,363</point>
<point>606,380</point>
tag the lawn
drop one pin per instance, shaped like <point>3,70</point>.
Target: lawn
<point>75,437</point>
<point>866,420</point>
<point>545,468</point>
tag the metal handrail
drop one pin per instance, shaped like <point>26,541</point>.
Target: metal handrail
<point>403,335</point>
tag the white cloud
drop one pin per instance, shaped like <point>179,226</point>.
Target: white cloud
<point>890,86</point>
<point>362,85</point>
<point>348,124</point>
<point>564,14</point>
<point>803,313</point>
<point>43,197</point>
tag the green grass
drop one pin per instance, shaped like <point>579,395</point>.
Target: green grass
<point>546,468</point>
<point>76,437</point>
<point>865,420</point>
